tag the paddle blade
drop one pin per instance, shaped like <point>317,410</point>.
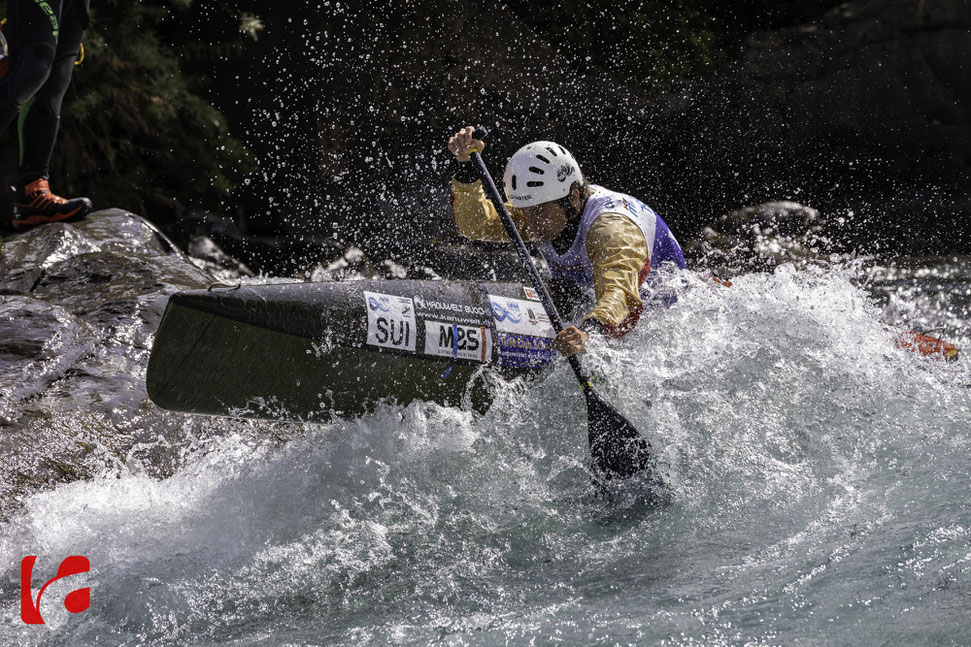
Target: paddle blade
<point>618,449</point>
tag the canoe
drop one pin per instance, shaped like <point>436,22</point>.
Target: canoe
<point>309,351</point>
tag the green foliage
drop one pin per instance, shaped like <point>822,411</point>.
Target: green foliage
<point>134,134</point>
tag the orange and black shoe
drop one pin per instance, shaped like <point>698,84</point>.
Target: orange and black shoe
<point>36,205</point>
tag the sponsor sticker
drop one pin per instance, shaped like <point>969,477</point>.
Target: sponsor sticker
<point>460,342</point>
<point>474,315</point>
<point>530,293</point>
<point>524,351</point>
<point>521,317</point>
<point>390,321</point>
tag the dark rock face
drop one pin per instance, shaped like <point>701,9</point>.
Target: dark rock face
<point>865,112</point>
<point>381,91</point>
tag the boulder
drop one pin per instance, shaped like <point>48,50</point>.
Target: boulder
<point>762,237</point>
<point>79,305</point>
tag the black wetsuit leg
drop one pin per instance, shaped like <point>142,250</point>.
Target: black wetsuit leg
<point>41,115</point>
<point>31,31</point>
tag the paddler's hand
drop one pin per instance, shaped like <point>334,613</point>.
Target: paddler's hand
<point>462,141</point>
<point>570,341</point>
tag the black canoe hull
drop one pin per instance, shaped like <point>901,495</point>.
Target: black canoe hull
<point>308,351</point>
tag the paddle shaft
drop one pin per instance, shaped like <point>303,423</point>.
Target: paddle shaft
<point>493,193</point>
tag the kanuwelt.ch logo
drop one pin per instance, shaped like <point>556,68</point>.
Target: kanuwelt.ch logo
<point>76,601</point>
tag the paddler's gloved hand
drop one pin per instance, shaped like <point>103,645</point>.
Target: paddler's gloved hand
<point>460,143</point>
<point>572,340</point>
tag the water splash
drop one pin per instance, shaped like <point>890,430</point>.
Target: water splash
<point>818,476</point>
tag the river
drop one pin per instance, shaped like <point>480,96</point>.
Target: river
<point>819,496</point>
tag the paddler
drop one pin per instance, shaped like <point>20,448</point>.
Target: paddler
<point>589,235</point>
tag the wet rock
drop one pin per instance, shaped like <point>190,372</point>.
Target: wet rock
<point>39,342</point>
<point>79,305</point>
<point>761,237</point>
<point>784,218</point>
<point>451,259</point>
<point>209,256</point>
<point>278,251</point>
<point>354,265</point>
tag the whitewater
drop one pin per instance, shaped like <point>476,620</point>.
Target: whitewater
<point>818,480</point>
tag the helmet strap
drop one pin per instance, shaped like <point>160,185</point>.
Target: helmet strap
<point>564,241</point>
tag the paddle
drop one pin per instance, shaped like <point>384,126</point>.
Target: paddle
<point>617,447</point>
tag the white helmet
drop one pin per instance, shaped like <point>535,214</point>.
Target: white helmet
<point>540,172</point>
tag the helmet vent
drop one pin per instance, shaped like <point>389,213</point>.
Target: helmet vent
<point>552,152</point>
<point>514,183</point>
<point>563,150</point>
<point>537,170</point>
<point>542,159</point>
<point>534,183</point>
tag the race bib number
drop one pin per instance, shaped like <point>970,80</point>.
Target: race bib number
<point>460,342</point>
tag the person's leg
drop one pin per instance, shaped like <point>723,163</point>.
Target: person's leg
<point>37,126</point>
<point>39,119</point>
<point>32,31</point>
